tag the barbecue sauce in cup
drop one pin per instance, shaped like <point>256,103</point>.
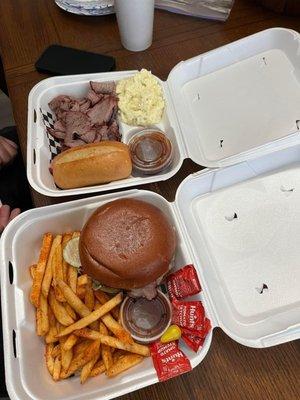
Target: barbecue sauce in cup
<point>151,151</point>
<point>146,320</point>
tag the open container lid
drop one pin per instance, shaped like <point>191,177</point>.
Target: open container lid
<point>241,100</point>
<point>243,226</point>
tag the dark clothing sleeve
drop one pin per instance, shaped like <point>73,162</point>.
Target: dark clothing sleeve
<point>14,189</point>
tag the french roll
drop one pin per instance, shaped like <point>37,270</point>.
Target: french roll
<point>92,164</point>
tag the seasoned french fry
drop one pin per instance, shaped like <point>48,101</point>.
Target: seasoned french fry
<point>82,280</point>
<point>48,271</point>
<point>59,311</point>
<point>58,272</point>
<point>56,369</point>
<point>116,314</point>
<point>131,348</point>
<point>81,347</point>
<point>103,298</point>
<point>73,300</point>
<point>93,316</point>
<point>51,335</point>
<point>32,270</point>
<point>116,343</point>
<point>118,354</point>
<point>65,266</point>
<point>81,291</point>
<point>56,351</point>
<point>116,328</point>
<point>72,277</point>
<point>40,270</point>
<point>123,364</point>
<point>70,342</point>
<point>49,358</point>
<point>38,322</point>
<point>87,368</point>
<point>85,333</point>
<point>59,326</point>
<point>87,344</point>
<point>105,350</point>
<point>81,359</point>
<point>42,321</point>
<point>98,369</point>
<point>89,296</point>
<point>66,358</point>
<point>44,311</point>
<point>70,311</point>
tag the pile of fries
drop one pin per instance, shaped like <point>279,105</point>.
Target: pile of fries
<point>79,325</point>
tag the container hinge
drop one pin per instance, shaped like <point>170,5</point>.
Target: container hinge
<point>176,126</point>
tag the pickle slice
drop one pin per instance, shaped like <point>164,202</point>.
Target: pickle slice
<point>71,253</point>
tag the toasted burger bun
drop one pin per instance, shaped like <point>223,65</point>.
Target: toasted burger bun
<point>127,244</point>
<point>92,164</point>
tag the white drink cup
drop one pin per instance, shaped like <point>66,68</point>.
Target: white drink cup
<point>135,21</point>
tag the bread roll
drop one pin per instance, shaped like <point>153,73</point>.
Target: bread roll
<point>92,164</point>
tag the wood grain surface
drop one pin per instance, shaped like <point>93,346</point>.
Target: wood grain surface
<point>229,371</point>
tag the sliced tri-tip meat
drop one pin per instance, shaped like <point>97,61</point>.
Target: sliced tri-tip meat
<point>84,105</point>
<point>89,137</point>
<point>90,119</point>
<point>103,87</point>
<point>78,123</point>
<point>93,97</point>
<point>101,112</point>
<point>113,132</point>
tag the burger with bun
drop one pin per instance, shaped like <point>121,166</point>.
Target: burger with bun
<point>128,244</point>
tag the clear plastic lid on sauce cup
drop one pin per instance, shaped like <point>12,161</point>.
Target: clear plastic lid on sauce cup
<point>146,320</point>
<point>151,151</point>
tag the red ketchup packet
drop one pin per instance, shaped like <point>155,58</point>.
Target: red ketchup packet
<point>195,339</point>
<point>188,314</point>
<point>169,361</point>
<point>183,283</point>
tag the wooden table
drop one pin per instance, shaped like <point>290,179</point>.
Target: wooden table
<point>229,371</point>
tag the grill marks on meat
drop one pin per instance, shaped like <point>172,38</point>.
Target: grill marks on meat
<point>88,120</point>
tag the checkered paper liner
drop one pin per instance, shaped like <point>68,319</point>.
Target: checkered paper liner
<point>48,121</point>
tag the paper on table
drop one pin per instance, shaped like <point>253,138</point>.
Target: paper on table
<point>211,9</point>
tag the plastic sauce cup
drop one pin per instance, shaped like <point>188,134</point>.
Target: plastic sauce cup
<point>146,320</point>
<point>151,151</point>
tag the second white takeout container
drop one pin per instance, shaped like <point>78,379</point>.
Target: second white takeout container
<point>222,107</point>
<point>239,224</point>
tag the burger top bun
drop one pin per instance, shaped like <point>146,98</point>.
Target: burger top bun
<point>127,244</point>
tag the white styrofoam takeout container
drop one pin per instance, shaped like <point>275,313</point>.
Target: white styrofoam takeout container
<point>239,224</point>
<point>222,107</point>
<point>234,258</point>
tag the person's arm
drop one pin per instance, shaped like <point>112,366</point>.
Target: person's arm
<point>6,215</point>
<point>8,151</point>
